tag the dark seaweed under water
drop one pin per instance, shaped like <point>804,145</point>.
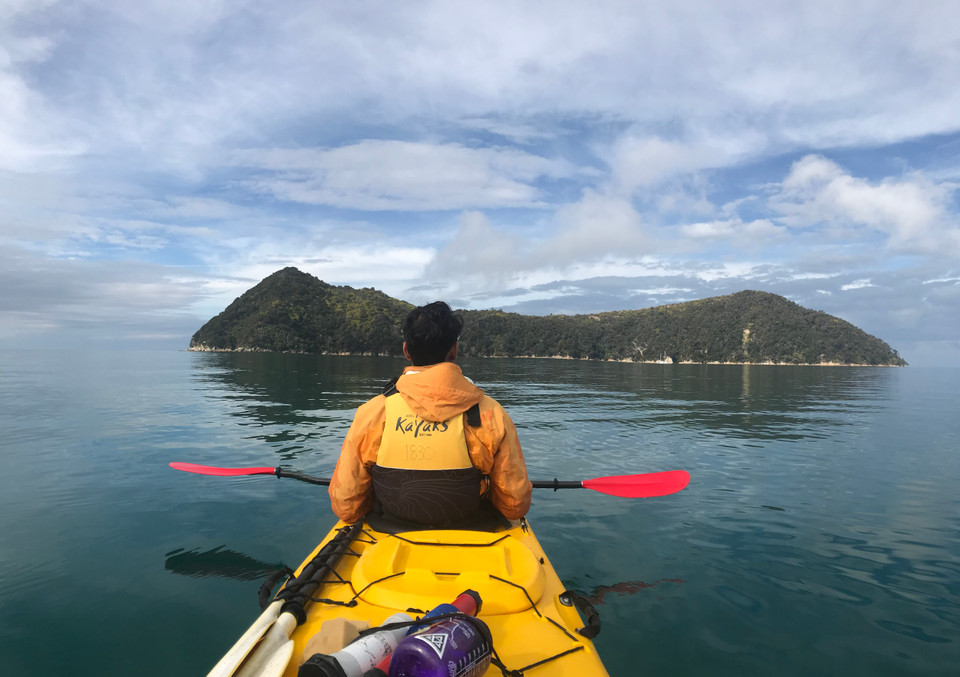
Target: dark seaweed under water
<point>820,534</point>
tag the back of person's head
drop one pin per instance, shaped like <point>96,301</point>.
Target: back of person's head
<point>430,332</point>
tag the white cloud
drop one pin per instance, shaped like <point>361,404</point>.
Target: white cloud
<point>658,291</point>
<point>398,175</point>
<point>521,132</point>
<point>814,276</point>
<point>598,232</point>
<point>363,260</point>
<point>912,211</point>
<point>751,234</point>
<point>742,270</point>
<point>639,161</point>
<point>58,294</point>
<point>595,226</point>
<point>26,137</point>
<point>477,252</point>
<point>193,208</point>
<point>177,79</point>
<point>857,284</point>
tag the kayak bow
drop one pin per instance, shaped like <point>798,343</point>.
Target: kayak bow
<point>532,618</point>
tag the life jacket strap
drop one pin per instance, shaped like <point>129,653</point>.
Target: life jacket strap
<point>473,416</point>
<point>391,387</point>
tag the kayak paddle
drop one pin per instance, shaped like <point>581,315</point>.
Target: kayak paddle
<point>643,485</point>
<point>266,647</point>
<point>235,472</point>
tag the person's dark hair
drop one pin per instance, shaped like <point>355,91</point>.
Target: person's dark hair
<point>430,332</point>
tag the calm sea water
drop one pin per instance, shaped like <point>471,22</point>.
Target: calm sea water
<point>820,534</point>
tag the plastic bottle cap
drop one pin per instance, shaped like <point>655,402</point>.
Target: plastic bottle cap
<point>321,665</point>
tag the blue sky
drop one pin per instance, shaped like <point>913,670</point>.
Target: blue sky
<point>157,159</point>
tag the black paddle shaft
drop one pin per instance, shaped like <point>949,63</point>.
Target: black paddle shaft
<point>556,484</point>
<point>310,479</point>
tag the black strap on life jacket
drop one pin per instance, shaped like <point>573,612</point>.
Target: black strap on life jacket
<point>391,387</point>
<point>473,416</point>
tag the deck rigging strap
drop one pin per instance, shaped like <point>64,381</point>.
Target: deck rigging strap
<point>298,590</point>
<point>263,594</point>
<point>450,545</point>
<point>519,672</point>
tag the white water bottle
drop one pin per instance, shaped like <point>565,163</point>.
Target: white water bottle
<point>360,655</point>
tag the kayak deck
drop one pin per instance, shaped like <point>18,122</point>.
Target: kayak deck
<point>534,625</point>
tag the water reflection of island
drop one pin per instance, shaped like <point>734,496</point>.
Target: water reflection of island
<point>626,588</point>
<point>292,403</point>
<point>218,562</point>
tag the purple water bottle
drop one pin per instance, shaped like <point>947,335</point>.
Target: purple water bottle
<point>456,647</point>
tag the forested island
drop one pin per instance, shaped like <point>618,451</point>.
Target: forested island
<point>292,311</point>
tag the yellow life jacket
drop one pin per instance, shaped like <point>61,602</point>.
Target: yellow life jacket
<point>423,472</point>
<point>412,443</point>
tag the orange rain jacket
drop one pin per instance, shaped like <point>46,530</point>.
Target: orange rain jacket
<point>435,393</point>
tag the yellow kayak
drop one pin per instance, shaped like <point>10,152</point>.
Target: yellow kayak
<point>368,572</point>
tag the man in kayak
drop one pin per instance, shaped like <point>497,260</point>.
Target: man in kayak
<point>433,448</point>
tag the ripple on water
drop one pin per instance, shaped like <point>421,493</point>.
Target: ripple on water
<point>912,631</point>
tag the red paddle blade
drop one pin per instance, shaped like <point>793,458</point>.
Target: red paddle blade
<point>646,485</point>
<point>222,472</point>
